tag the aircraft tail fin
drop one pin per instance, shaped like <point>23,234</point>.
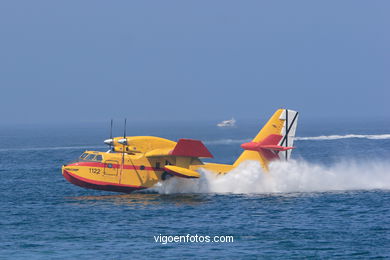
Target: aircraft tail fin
<point>274,141</point>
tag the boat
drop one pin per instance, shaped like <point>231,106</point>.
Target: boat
<point>227,123</point>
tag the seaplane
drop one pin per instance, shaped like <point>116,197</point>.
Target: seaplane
<point>140,162</point>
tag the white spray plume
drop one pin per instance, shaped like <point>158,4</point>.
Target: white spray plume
<point>285,177</point>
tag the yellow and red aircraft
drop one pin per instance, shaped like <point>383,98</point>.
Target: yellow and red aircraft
<point>139,162</point>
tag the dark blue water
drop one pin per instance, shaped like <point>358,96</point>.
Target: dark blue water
<point>345,215</point>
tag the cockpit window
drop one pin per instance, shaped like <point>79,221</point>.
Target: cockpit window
<point>82,157</point>
<point>90,157</point>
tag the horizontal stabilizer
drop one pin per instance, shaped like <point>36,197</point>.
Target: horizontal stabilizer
<point>181,172</point>
<point>267,147</point>
<point>275,147</point>
<point>270,143</point>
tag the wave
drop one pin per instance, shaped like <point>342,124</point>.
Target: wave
<point>335,137</point>
<point>303,138</point>
<point>226,141</point>
<point>286,177</point>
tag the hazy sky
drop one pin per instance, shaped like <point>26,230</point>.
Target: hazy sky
<point>148,60</point>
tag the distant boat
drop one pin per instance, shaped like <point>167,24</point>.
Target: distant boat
<point>227,123</point>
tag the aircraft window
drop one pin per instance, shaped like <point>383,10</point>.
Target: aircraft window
<point>142,167</point>
<point>99,158</point>
<point>90,157</point>
<point>82,157</point>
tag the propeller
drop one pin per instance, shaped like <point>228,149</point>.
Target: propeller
<point>124,133</point>
<point>110,141</point>
<point>124,143</point>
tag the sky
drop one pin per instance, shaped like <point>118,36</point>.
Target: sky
<point>89,61</point>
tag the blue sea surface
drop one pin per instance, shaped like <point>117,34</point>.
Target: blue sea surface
<point>344,215</point>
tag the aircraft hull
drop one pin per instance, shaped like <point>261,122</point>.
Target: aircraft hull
<point>98,185</point>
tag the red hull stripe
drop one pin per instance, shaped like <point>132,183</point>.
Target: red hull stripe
<point>99,185</point>
<point>116,166</point>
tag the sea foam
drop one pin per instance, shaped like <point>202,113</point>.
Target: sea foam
<point>286,177</point>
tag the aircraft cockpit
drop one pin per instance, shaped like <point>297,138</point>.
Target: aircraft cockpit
<point>91,157</point>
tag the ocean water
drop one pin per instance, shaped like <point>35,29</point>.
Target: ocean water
<point>332,200</point>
